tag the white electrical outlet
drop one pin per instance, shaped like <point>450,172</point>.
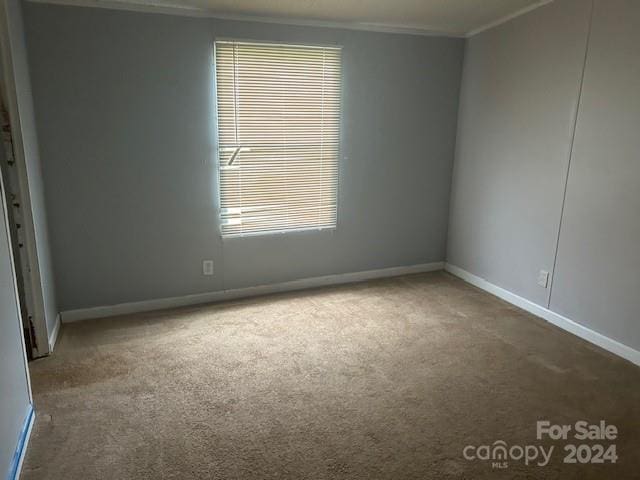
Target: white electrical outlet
<point>207,267</point>
<point>543,278</point>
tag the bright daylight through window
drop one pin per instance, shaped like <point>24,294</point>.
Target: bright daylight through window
<point>278,136</point>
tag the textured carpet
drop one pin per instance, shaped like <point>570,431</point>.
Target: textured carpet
<point>388,379</point>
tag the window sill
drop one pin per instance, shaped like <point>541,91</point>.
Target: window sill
<point>278,232</point>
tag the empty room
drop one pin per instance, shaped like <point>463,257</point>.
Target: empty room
<point>319,239</point>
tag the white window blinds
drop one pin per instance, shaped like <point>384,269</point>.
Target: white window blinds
<point>278,133</point>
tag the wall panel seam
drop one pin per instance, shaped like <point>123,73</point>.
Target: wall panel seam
<point>571,148</point>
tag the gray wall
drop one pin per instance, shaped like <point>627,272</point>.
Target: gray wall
<point>518,105</point>
<point>124,113</point>
<point>14,388</point>
<point>517,109</point>
<point>27,138</point>
<point>598,269</point>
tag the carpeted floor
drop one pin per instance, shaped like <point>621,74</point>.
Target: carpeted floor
<point>388,379</point>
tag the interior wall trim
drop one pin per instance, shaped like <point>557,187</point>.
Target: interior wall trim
<point>190,11</point>
<point>53,335</point>
<point>21,448</point>
<point>36,304</point>
<point>507,18</point>
<point>556,319</point>
<point>212,297</point>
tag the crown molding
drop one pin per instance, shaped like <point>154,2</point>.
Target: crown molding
<point>168,9</point>
<point>508,18</point>
<point>188,11</point>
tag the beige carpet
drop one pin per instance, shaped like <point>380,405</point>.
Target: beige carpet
<point>381,380</point>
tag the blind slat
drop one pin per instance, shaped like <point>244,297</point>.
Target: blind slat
<point>279,107</point>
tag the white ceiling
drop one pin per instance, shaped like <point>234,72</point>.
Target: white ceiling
<point>450,17</point>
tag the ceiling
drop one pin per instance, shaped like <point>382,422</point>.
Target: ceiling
<point>449,17</point>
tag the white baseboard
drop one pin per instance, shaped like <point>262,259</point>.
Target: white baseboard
<point>558,320</point>
<point>211,297</point>
<point>53,334</point>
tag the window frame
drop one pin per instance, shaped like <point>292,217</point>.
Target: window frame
<point>216,146</point>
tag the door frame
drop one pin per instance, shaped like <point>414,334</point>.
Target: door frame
<point>4,217</point>
<point>35,304</point>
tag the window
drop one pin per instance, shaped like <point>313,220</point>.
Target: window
<point>278,135</point>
